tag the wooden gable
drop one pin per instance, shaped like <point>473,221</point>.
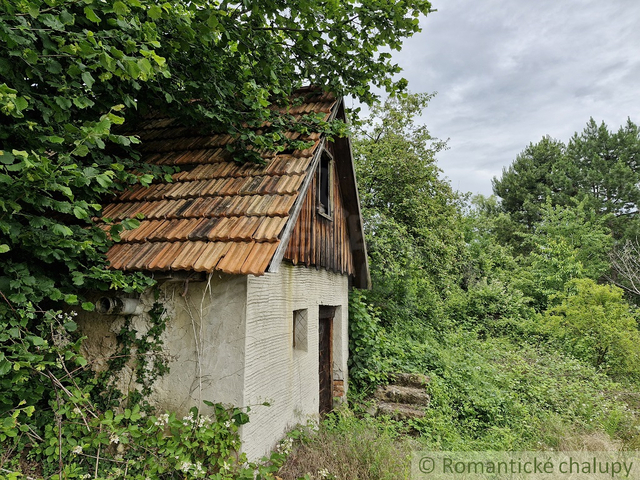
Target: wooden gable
<point>322,239</point>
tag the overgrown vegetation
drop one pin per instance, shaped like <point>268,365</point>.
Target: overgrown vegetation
<point>507,304</point>
<point>75,77</point>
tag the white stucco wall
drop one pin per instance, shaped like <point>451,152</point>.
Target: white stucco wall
<point>230,340</point>
<point>205,338</point>
<point>204,342</point>
<point>276,372</point>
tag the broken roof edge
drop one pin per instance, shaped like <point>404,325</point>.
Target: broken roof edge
<point>347,174</point>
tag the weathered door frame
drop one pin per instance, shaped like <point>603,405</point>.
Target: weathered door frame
<point>326,314</point>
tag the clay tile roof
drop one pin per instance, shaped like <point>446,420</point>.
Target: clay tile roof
<point>215,214</point>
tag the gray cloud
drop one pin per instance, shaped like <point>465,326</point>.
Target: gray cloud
<point>509,72</point>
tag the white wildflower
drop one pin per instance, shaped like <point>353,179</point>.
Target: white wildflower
<point>324,473</point>
<point>186,466</point>
<point>226,466</point>
<point>77,411</point>
<point>187,420</point>
<point>227,424</point>
<point>285,446</point>
<point>114,438</point>
<point>77,449</point>
<point>204,420</point>
<point>162,420</point>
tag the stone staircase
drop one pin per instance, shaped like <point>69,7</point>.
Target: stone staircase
<point>404,398</point>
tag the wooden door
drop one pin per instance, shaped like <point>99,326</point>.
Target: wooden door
<point>325,360</point>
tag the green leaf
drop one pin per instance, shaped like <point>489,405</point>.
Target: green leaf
<point>88,306</point>
<point>34,11</point>
<point>71,326</point>
<point>83,102</point>
<point>81,150</point>
<point>132,67</point>
<point>91,15</point>
<point>120,8</point>
<point>6,157</point>
<point>21,103</point>
<point>88,79</point>
<point>155,12</point>
<point>60,229</point>
<point>36,340</point>
<point>115,119</point>
<point>80,213</point>
<point>104,180</point>
<point>63,102</point>
<point>4,248</point>
<point>5,366</point>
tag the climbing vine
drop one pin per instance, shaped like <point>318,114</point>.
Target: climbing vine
<point>143,350</point>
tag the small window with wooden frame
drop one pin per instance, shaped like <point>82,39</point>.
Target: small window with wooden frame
<point>300,329</point>
<point>325,186</point>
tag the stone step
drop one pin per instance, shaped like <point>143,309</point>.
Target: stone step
<point>400,411</point>
<point>401,394</point>
<point>409,379</point>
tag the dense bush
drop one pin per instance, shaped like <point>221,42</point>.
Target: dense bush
<point>595,324</point>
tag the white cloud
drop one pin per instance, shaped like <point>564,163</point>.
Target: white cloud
<point>509,72</point>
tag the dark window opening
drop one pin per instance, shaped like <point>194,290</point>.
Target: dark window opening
<point>325,170</point>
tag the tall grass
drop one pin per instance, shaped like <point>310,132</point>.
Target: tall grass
<point>346,447</point>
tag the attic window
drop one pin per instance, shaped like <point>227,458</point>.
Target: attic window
<point>325,181</point>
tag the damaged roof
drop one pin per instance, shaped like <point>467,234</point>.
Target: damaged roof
<point>216,214</point>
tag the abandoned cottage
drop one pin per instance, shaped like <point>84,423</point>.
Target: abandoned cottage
<point>254,264</point>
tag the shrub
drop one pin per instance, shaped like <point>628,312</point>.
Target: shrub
<point>130,444</point>
<point>595,324</point>
<point>367,365</point>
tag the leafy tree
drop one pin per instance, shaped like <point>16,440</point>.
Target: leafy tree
<point>72,71</point>
<point>598,166</point>
<point>486,232</point>
<point>597,325</point>
<point>529,180</point>
<point>412,216</point>
<point>567,243</point>
<point>604,166</point>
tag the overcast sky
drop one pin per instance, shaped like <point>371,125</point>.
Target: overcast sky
<point>508,72</point>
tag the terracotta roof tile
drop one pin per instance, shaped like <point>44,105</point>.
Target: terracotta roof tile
<point>189,252</point>
<point>215,214</point>
<point>165,257</point>
<point>235,257</point>
<point>258,258</point>
<point>269,229</point>
<point>211,255</point>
